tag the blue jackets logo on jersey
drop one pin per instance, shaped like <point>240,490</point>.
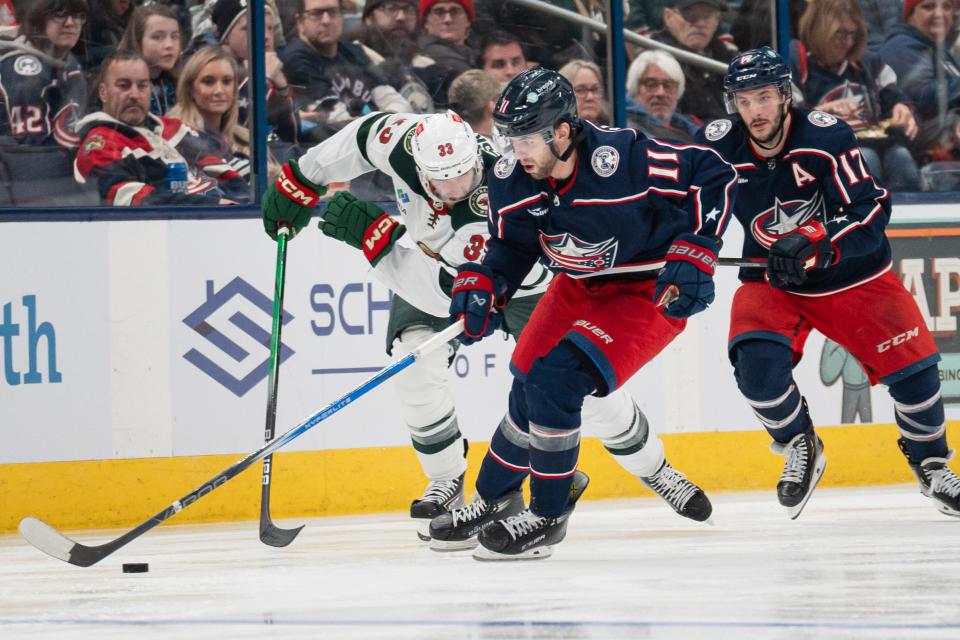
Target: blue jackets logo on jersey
<point>784,217</point>
<point>567,251</point>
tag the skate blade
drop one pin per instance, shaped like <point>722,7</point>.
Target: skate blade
<point>483,554</point>
<point>423,529</point>
<point>709,521</point>
<point>454,545</point>
<point>819,467</point>
<point>946,510</point>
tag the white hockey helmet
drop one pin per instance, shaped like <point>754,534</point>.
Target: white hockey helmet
<point>447,156</point>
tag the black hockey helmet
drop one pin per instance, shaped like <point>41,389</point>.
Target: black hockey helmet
<point>535,100</point>
<point>753,69</point>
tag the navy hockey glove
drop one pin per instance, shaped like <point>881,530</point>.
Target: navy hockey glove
<point>362,225</point>
<point>805,248</point>
<point>472,298</point>
<point>685,285</point>
<point>290,201</point>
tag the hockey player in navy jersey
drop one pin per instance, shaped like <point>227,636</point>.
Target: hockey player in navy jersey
<point>607,210</point>
<point>809,206</point>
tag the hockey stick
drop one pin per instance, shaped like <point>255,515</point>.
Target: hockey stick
<point>746,263</point>
<point>270,533</point>
<point>53,543</point>
<point>671,293</point>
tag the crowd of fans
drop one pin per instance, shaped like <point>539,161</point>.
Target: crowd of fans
<point>150,100</point>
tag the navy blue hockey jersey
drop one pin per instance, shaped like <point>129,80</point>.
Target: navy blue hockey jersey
<point>820,175</point>
<point>627,200</point>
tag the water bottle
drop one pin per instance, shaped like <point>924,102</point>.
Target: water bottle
<point>177,177</point>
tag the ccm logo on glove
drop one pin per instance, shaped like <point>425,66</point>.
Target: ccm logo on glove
<point>294,190</point>
<point>378,234</point>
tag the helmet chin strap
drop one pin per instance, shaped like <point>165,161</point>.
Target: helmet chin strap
<point>578,135</point>
<point>778,134</point>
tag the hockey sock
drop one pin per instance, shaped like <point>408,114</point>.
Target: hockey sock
<point>633,446</point>
<point>763,370</point>
<point>554,390</point>
<point>918,408</point>
<point>508,459</point>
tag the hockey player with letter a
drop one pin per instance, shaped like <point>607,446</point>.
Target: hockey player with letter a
<point>623,221</point>
<point>810,207</point>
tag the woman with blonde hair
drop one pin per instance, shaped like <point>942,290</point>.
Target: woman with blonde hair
<point>207,100</point>
<point>154,33</point>
<point>587,80</point>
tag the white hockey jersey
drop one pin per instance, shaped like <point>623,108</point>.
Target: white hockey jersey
<point>441,238</point>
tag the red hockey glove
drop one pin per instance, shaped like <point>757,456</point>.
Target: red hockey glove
<point>472,298</point>
<point>685,284</point>
<point>792,256</point>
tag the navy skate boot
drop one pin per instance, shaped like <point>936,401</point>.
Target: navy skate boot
<point>802,470</point>
<point>527,536</point>
<point>937,481</point>
<point>458,529</point>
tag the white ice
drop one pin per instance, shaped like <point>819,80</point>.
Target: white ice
<point>858,563</point>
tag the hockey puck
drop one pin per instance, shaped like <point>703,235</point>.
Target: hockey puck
<point>136,567</point>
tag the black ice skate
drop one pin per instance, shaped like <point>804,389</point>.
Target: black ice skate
<point>801,472</point>
<point>440,497</point>
<point>458,529</point>
<point>527,536</point>
<point>937,481</point>
<point>683,496</point>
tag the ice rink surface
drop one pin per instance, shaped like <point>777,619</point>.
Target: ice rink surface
<point>859,563</point>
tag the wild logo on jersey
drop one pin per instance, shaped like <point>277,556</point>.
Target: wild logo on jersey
<point>567,251</point>
<point>783,217</point>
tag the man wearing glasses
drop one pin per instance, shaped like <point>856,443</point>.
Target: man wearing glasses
<point>43,87</point>
<point>337,74</point>
<point>692,25</point>
<point>446,24</point>
<point>389,36</point>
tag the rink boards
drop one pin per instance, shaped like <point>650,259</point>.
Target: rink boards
<point>134,368</point>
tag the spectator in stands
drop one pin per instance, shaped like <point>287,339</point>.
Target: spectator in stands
<point>133,154</point>
<point>154,33</point>
<point>390,36</point>
<point>655,84</point>
<point>752,27</point>
<point>587,80</point>
<point>447,24</point>
<point>916,50</point>
<point>836,74</point>
<point>336,74</point>
<point>472,95</point>
<point>41,83</point>
<point>692,25</point>
<point>548,40</point>
<point>207,100</point>
<point>230,22</point>
<point>644,16</point>
<point>106,25</point>
<point>880,17</point>
<point>501,55</point>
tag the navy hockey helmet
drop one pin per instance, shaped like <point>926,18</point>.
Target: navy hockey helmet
<point>535,101</point>
<point>753,69</point>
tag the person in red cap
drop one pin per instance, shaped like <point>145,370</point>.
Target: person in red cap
<point>446,24</point>
<point>917,51</point>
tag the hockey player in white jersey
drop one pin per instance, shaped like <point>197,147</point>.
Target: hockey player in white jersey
<point>438,168</point>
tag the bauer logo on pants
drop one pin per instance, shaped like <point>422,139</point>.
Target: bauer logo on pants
<point>224,322</point>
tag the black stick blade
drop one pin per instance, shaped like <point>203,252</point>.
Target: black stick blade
<point>274,536</point>
<point>55,544</point>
